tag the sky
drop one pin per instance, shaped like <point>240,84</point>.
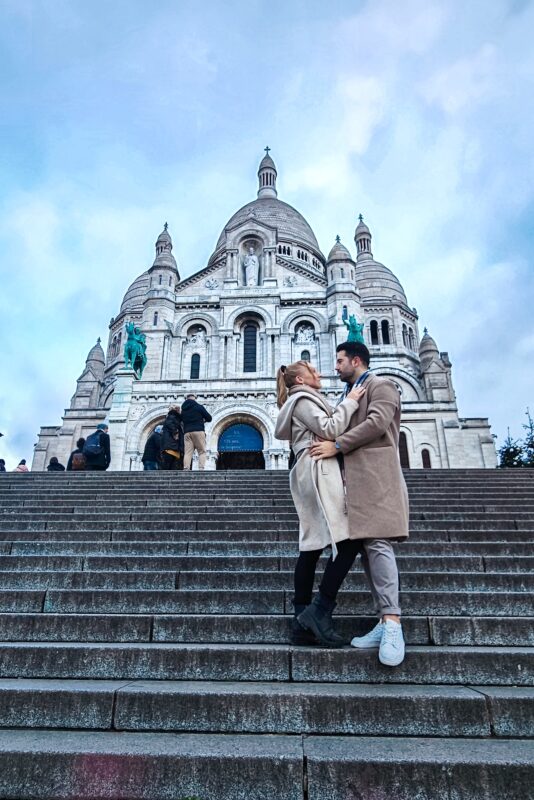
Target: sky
<point>117,117</point>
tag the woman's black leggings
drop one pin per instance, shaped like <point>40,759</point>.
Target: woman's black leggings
<point>334,574</point>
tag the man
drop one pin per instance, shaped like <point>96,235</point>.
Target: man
<point>152,453</point>
<point>377,498</point>
<point>97,449</point>
<point>193,417</point>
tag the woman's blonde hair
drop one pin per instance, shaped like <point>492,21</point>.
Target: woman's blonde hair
<point>286,378</point>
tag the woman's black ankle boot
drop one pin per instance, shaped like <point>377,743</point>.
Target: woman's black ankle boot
<point>299,635</point>
<point>317,618</point>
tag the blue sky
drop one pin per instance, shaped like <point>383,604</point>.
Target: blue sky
<point>115,117</point>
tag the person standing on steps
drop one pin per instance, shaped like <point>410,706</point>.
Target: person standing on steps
<point>55,466</point>
<point>194,417</point>
<point>318,494</point>
<point>152,453</point>
<point>377,497</point>
<point>21,466</point>
<point>172,440</point>
<point>77,461</point>
<point>97,449</point>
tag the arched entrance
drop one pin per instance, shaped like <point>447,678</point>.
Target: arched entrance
<point>240,446</point>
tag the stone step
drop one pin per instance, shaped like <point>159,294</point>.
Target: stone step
<point>263,707</point>
<point>506,666</point>
<point>422,768</point>
<point>172,563</point>
<point>213,549</point>
<point>90,765</point>
<point>253,629</point>
<point>266,601</point>
<point>253,580</point>
<point>46,764</point>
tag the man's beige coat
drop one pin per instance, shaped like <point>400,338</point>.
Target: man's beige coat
<point>316,486</point>
<point>377,497</point>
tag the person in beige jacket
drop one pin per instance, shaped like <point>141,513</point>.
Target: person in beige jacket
<point>318,493</point>
<point>377,498</point>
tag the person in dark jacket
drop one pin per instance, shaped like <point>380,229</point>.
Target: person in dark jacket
<point>152,452</point>
<point>2,465</point>
<point>97,449</point>
<point>194,417</point>
<point>77,460</point>
<point>172,440</point>
<point>55,466</point>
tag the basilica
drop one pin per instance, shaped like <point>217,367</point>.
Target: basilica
<point>267,296</point>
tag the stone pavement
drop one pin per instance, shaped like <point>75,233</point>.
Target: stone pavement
<point>144,622</point>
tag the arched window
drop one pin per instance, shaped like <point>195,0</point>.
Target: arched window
<point>170,280</point>
<point>411,339</point>
<point>427,464</point>
<point>405,336</point>
<point>250,335</point>
<point>374,332</point>
<point>160,279</point>
<point>195,367</point>
<point>385,331</point>
<point>155,318</point>
<point>305,355</point>
<point>403,451</point>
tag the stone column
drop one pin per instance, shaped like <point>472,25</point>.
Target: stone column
<point>118,417</point>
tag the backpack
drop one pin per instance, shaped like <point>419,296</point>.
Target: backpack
<point>78,461</point>
<point>92,446</point>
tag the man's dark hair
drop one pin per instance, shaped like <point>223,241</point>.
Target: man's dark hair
<point>80,443</point>
<point>353,349</point>
<point>190,397</point>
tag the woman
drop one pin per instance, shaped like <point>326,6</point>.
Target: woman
<point>172,440</point>
<point>21,467</point>
<point>319,497</point>
<point>55,466</point>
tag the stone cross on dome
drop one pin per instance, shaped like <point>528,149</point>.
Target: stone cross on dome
<point>338,240</point>
<point>267,150</point>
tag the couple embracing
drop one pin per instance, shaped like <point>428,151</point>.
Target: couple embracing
<point>350,495</point>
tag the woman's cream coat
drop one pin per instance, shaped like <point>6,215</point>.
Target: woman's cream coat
<point>316,486</point>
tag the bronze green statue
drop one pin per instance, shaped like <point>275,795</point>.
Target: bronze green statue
<point>135,350</point>
<point>355,329</point>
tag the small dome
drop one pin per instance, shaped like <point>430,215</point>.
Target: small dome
<point>267,163</point>
<point>135,295</point>
<point>361,227</point>
<point>164,236</point>
<point>339,252</point>
<point>165,259</point>
<point>428,345</point>
<point>375,281</point>
<point>96,353</point>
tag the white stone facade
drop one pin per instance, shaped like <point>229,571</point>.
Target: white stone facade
<point>266,297</point>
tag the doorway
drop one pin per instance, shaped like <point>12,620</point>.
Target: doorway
<point>240,446</point>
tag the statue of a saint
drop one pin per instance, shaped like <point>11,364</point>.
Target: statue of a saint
<point>355,329</point>
<point>251,265</point>
<point>135,349</point>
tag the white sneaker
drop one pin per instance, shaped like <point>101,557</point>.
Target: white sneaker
<point>371,640</point>
<point>391,652</point>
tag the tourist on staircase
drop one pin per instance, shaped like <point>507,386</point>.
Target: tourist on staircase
<point>194,417</point>
<point>172,440</point>
<point>97,449</point>
<point>152,453</point>
<point>21,466</point>
<point>377,497</point>
<point>318,494</point>
<point>77,461</point>
<point>55,466</point>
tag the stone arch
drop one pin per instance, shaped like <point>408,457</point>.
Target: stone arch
<point>199,318</point>
<point>250,416</point>
<point>399,376</point>
<point>318,320</point>
<point>252,312</point>
<point>433,454</point>
<point>144,426</point>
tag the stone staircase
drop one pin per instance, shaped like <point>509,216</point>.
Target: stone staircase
<point>144,622</point>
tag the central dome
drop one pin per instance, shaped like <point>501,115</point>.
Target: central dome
<point>289,223</point>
